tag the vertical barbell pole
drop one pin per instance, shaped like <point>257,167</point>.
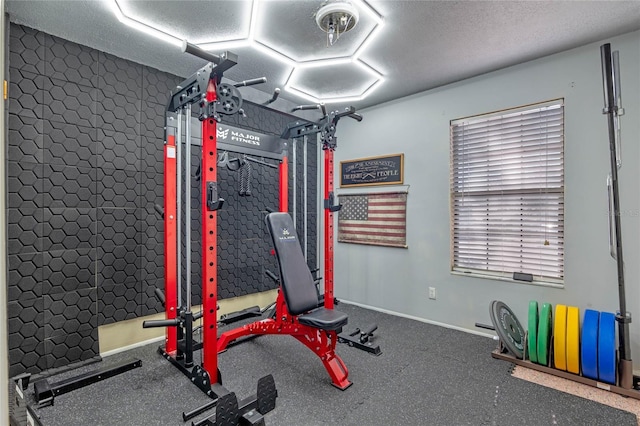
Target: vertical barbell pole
<point>625,369</point>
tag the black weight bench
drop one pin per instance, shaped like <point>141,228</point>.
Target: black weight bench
<point>298,285</point>
<point>297,311</point>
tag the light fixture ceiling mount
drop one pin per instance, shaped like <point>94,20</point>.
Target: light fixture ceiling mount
<point>336,18</point>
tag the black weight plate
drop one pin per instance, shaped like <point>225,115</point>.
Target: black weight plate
<point>508,328</point>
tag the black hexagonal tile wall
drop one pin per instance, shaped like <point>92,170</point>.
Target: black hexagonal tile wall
<point>70,327</point>
<point>119,265</point>
<point>118,227</point>
<point>69,144</point>
<point>24,185</point>
<point>68,229</point>
<point>118,188</point>
<point>156,85</point>
<point>25,276</point>
<point>25,139</point>
<point>26,93</point>
<point>68,270</point>
<point>24,230</point>
<point>152,154</point>
<point>152,120</point>
<point>118,150</point>
<point>26,334</point>
<point>68,186</point>
<point>118,302</point>
<point>118,112</point>
<point>117,75</point>
<point>69,61</point>
<point>26,49</point>
<point>69,102</point>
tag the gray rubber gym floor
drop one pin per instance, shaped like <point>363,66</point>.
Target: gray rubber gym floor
<point>426,375</point>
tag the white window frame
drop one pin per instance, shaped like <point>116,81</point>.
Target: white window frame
<point>472,186</point>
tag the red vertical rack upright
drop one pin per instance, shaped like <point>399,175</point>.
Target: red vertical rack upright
<point>209,241</point>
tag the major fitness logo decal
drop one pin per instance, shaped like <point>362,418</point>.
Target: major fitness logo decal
<point>222,133</point>
<point>233,135</point>
<point>286,236</point>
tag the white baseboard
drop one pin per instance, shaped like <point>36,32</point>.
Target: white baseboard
<point>412,317</point>
<point>133,346</point>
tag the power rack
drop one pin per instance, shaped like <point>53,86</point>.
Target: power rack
<point>215,101</point>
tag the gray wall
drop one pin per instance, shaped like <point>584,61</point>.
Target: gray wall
<point>398,279</point>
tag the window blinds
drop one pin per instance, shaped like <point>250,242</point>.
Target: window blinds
<point>507,192</point>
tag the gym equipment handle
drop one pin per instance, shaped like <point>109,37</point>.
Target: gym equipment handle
<point>305,108</point>
<point>160,295</point>
<point>251,82</point>
<point>369,331</point>
<point>488,327</point>
<point>356,117</point>
<point>199,52</point>
<point>160,323</point>
<point>272,275</point>
<point>276,93</point>
<point>158,208</point>
<point>191,414</point>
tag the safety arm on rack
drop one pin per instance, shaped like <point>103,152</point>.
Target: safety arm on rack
<point>161,323</point>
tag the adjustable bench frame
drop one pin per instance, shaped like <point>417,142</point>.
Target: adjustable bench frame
<point>320,342</point>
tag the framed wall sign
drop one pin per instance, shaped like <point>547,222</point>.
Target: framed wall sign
<point>384,170</point>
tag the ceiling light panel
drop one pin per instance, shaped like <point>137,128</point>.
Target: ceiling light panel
<point>343,80</point>
<point>196,21</point>
<point>263,28</point>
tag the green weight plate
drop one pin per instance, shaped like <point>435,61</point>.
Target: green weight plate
<point>532,340</point>
<point>544,333</point>
<point>508,328</point>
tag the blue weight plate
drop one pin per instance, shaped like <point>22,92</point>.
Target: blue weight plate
<point>607,348</point>
<point>589,349</point>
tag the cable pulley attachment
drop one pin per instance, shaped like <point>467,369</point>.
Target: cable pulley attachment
<point>328,135</point>
<point>229,99</point>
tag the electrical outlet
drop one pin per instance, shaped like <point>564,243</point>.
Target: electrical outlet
<point>432,293</point>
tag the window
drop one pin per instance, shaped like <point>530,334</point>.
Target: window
<point>507,194</point>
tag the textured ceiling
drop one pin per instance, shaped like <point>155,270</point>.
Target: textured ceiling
<point>421,44</point>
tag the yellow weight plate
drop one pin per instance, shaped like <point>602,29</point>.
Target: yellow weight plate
<point>560,337</point>
<point>573,340</point>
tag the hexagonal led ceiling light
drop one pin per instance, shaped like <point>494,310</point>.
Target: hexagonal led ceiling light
<point>295,82</point>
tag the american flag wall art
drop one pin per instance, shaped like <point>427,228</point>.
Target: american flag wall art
<point>377,218</point>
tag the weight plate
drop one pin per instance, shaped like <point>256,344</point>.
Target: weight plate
<point>508,328</point>
<point>544,334</point>
<point>532,340</point>
<point>607,348</point>
<point>560,338</point>
<point>589,349</point>
<point>573,340</point>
